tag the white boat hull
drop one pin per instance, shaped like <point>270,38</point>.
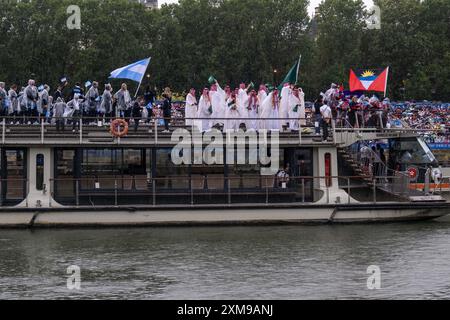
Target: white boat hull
<point>246,215</point>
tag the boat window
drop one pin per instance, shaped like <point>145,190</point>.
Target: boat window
<point>412,151</point>
<point>40,172</point>
<point>328,171</point>
<point>169,175</point>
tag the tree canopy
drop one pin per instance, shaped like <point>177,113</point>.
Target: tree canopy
<point>233,40</point>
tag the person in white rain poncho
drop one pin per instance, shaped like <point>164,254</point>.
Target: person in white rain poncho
<point>284,104</point>
<point>191,107</point>
<point>296,109</point>
<point>232,114</point>
<point>270,112</point>
<point>73,110</point>
<point>217,95</point>
<point>205,111</point>
<point>253,111</point>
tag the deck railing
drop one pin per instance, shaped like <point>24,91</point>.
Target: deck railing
<point>80,129</point>
<point>217,189</point>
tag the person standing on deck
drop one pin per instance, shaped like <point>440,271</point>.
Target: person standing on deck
<point>30,100</point>
<point>232,114</point>
<point>205,110</point>
<point>286,92</point>
<point>262,95</point>
<point>167,109</point>
<point>74,106</point>
<point>13,98</point>
<point>217,96</point>
<point>106,104</point>
<point>253,111</point>
<point>58,113</point>
<point>92,101</point>
<point>44,102</point>
<point>4,103</point>
<point>317,115</point>
<point>327,117</point>
<point>136,112</point>
<point>302,110</point>
<point>242,102</point>
<point>270,112</point>
<point>191,108</point>
<point>295,104</point>
<point>123,102</point>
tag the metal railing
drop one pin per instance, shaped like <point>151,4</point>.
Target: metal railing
<point>218,189</point>
<point>79,128</point>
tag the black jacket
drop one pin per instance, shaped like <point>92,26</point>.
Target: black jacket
<point>167,107</point>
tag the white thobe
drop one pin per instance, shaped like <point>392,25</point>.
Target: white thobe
<point>203,113</point>
<point>284,105</point>
<point>190,109</point>
<point>271,113</point>
<point>232,114</point>
<point>242,103</point>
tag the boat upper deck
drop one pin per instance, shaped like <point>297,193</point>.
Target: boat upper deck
<point>147,135</point>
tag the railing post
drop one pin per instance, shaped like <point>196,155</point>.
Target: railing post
<point>42,131</point>
<point>154,191</point>
<point>303,190</point>
<point>267,192</point>
<point>192,191</point>
<point>229,191</point>
<point>375,190</point>
<point>156,131</point>
<point>348,190</point>
<point>115,192</point>
<point>3,130</point>
<point>328,191</point>
<point>81,130</point>
<point>300,132</point>
<point>333,126</point>
<point>77,195</point>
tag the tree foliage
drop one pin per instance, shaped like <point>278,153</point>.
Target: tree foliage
<point>233,40</point>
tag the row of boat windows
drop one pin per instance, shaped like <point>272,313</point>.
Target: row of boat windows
<point>153,162</point>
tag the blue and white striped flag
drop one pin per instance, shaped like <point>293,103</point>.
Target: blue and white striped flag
<point>134,71</point>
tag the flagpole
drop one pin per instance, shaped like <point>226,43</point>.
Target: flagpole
<point>385,86</point>
<point>140,82</point>
<point>298,67</point>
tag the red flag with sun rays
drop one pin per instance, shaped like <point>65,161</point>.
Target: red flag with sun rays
<point>369,80</point>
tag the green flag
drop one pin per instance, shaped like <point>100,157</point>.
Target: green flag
<point>292,75</point>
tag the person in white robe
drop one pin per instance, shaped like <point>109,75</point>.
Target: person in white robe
<point>204,111</point>
<point>302,111</point>
<point>270,112</point>
<point>232,114</point>
<point>217,96</point>
<point>191,108</point>
<point>242,102</point>
<point>262,95</point>
<point>286,92</point>
<point>294,110</point>
<point>253,112</point>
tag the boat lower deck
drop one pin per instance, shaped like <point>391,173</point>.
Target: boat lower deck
<point>199,215</point>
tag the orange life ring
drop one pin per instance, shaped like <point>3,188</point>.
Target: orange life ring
<point>116,124</point>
